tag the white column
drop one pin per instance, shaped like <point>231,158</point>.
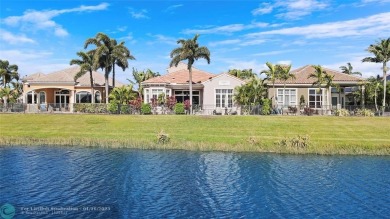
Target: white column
<point>33,96</point>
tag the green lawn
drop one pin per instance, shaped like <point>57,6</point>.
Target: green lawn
<point>328,134</point>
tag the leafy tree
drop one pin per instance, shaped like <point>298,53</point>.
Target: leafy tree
<point>242,74</point>
<point>190,51</point>
<point>86,65</point>
<point>381,52</point>
<point>107,54</point>
<point>349,70</point>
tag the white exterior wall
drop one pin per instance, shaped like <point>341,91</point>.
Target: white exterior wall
<point>223,81</point>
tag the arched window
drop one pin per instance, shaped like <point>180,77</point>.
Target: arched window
<point>30,98</point>
<point>98,97</point>
<point>83,97</point>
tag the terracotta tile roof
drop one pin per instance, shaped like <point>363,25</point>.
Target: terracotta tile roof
<point>180,76</point>
<point>67,76</point>
<point>302,74</point>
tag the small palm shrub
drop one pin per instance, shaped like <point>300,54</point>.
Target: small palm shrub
<point>125,109</point>
<point>342,112</point>
<point>364,112</point>
<point>266,109</point>
<point>162,137</point>
<point>146,109</point>
<point>295,142</point>
<point>179,108</point>
<point>112,107</point>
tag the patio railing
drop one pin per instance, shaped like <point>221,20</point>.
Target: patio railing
<point>101,108</point>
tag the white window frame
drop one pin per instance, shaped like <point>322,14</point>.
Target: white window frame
<point>79,92</point>
<point>226,98</point>
<point>282,97</point>
<point>39,96</point>
<point>100,93</point>
<point>323,102</point>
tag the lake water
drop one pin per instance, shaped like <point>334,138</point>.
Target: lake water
<point>66,182</point>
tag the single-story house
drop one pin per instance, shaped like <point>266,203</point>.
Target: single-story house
<point>58,90</point>
<point>209,91</point>
<point>301,87</point>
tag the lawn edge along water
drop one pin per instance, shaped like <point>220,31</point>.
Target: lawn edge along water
<point>278,134</point>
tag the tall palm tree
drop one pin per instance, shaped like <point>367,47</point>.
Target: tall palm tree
<point>372,87</point>
<point>8,73</point>
<point>121,55</point>
<point>284,74</point>
<point>349,70</point>
<point>272,74</point>
<point>86,65</point>
<point>190,51</point>
<point>106,54</point>
<point>381,52</point>
<point>320,77</point>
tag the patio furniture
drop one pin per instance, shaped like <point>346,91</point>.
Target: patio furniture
<point>217,111</point>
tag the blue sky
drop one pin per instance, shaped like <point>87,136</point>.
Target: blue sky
<point>44,35</point>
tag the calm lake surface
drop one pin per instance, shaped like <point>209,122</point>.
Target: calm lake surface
<point>66,182</point>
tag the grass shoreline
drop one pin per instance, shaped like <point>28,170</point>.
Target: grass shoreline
<point>327,135</point>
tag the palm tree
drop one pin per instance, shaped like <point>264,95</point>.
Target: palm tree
<point>141,76</point>
<point>320,76</point>
<point>8,73</point>
<point>190,51</point>
<point>123,94</point>
<point>106,54</point>
<point>284,74</point>
<point>372,86</point>
<point>349,70</point>
<point>242,74</point>
<point>121,55</point>
<point>272,75</point>
<point>86,65</point>
<point>381,52</point>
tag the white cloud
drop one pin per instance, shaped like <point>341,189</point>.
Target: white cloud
<point>139,14</point>
<point>264,8</point>
<point>291,9</point>
<point>253,42</point>
<point>375,25</point>
<point>171,8</point>
<point>128,38</point>
<point>122,29</point>
<point>32,20</point>
<point>225,42</point>
<point>229,29</point>
<point>375,1</point>
<point>366,68</point>
<point>271,53</point>
<point>159,38</point>
<point>14,39</point>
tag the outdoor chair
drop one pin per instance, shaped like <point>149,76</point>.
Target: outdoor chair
<point>233,111</point>
<point>217,111</point>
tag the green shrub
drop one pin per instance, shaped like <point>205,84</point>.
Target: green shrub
<point>146,109</point>
<point>179,108</point>
<point>342,112</point>
<point>364,112</point>
<point>266,109</point>
<point>125,109</point>
<point>113,107</point>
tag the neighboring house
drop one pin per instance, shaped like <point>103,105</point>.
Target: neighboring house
<point>59,90</point>
<point>302,86</point>
<point>209,91</point>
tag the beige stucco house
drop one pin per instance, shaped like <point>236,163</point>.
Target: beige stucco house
<point>210,91</point>
<point>58,90</point>
<point>327,99</point>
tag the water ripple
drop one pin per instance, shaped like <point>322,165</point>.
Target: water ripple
<point>182,184</point>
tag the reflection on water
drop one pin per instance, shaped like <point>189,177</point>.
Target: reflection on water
<point>142,183</point>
